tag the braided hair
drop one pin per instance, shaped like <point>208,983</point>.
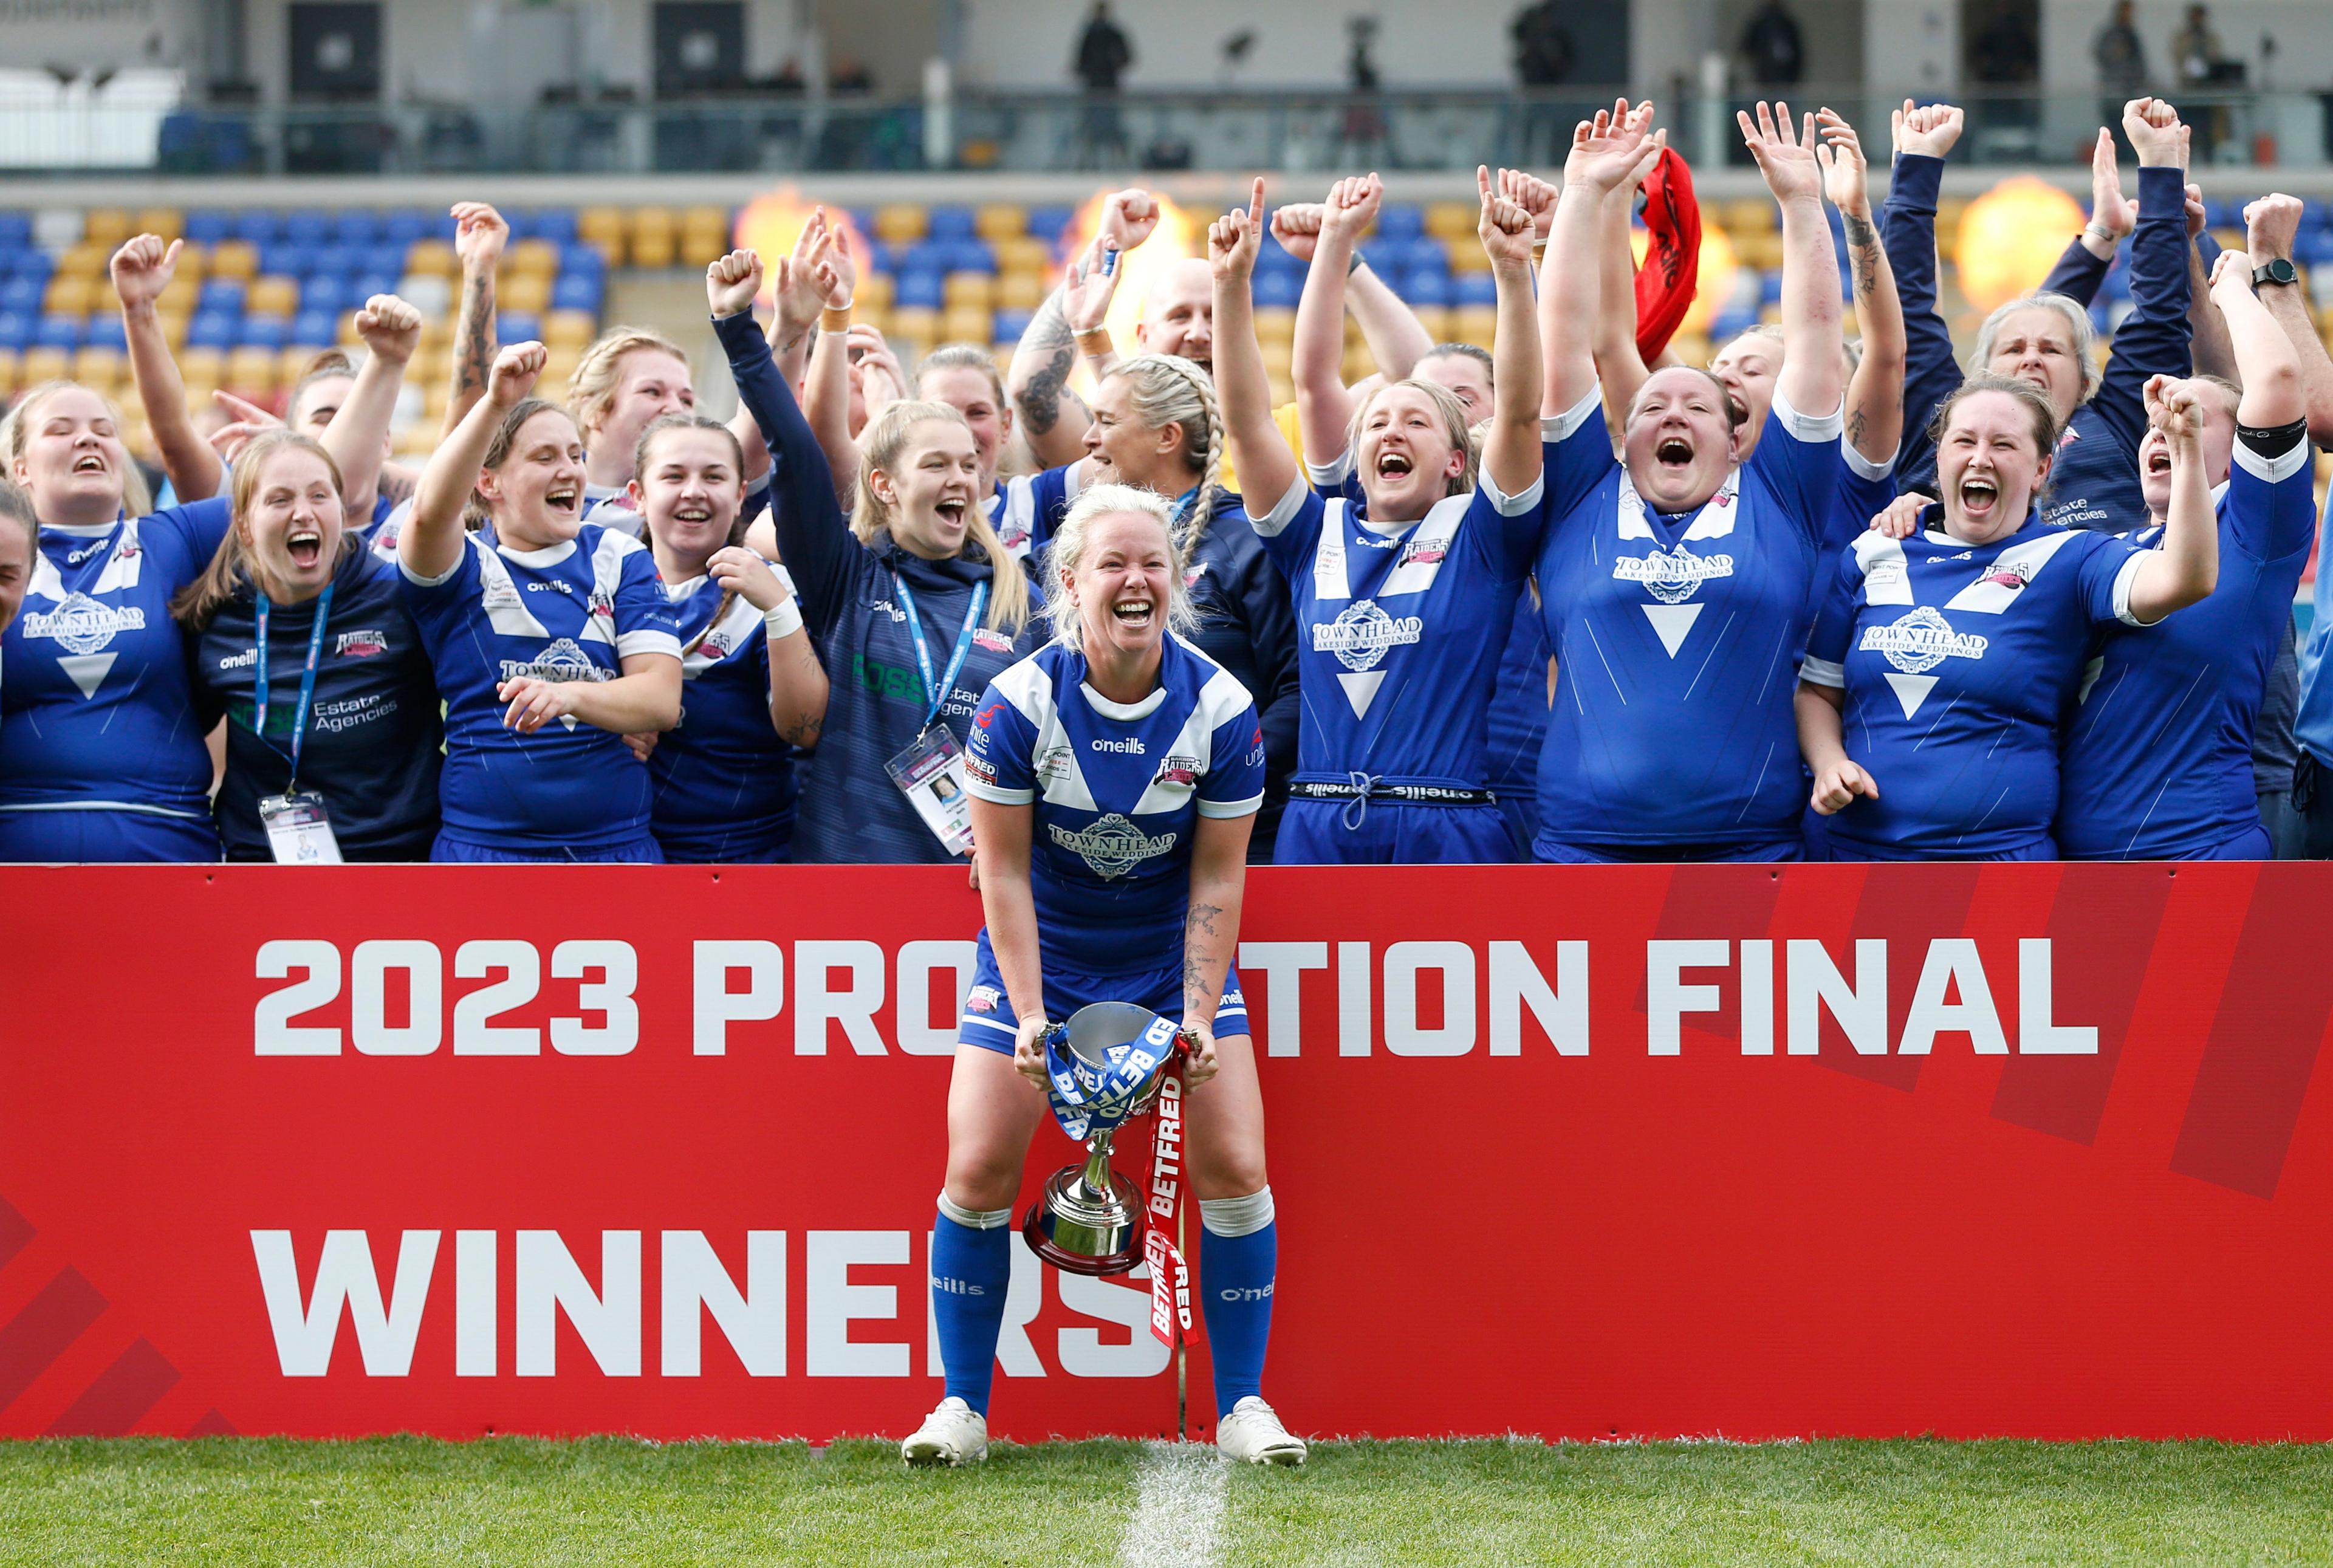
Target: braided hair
<point>1171,390</point>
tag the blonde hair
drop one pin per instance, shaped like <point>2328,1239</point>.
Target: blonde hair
<point>962,357</point>
<point>1169,389</point>
<point>136,497</point>
<point>592,390</point>
<point>1454,419</point>
<point>1069,547</point>
<point>880,447</point>
<point>2078,326</point>
<point>197,604</point>
<point>737,524</point>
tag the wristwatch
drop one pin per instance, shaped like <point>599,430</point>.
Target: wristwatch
<point>2279,271</point>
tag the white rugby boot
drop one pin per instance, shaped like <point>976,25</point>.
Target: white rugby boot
<point>1253,1432</point>
<point>953,1433</point>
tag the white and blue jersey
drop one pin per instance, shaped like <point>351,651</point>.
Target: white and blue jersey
<point>1958,662</point>
<point>722,777</point>
<point>1673,734</point>
<point>573,611</point>
<point>101,756</point>
<point>2158,757</point>
<point>1118,791</point>
<point>1399,631</point>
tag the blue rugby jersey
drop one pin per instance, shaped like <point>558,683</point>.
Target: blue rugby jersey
<point>1958,662</point>
<point>372,746</point>
<point>1672,733</point>
<point>96,711</point>
<point>1118,789</point>
<point>573,612</point>
<point>1399,629</point>
<point>2094,482</point>
<point>2158,757</point>
<point>723,778</point>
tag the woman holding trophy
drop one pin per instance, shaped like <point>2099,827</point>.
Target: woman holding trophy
<point>1114,777</point>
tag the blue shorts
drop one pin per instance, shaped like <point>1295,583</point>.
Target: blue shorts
<point>97,835</point>
<point>1555,852</point>
<point>638,851</point>
<point>990,1023</point>
<point>2043,849</point>
<point>1392,833</point>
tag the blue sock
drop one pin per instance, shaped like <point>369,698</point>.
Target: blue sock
<point>971,1267</point>
<point>1236,1273</point>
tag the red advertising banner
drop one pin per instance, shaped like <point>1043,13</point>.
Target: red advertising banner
<point>1583,1152</point>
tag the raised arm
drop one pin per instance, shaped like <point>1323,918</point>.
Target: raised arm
<point>1908,232</point>
<point>1811,379</point>
<point>1607,153</point>
<point>358,436</point>
<point>2187,566</point>
<point>2153,338</point>
<point>1397,338</point>
<point>431,543</point>
<point>2209,352</point>
<point>1266,467</point>
<point>2268,368</point>
<point>1620,365</point>
<point>817,287</point>
<point>1875,396</point>
<point>141,270</point>
<point>1511,456</point>
<point>1324,408</point>
<point>1053,419</point>
<point>2270,226</point>
<point>479,236</point>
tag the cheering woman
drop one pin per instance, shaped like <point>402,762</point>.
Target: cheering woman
<point>551,636</point>
<point>1113,776</point>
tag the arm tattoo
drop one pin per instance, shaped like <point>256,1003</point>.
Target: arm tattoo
<point>1862,254</point>
<point>1202,922</point>
<point>1855,424</point>
<point>476,360</point>
<point>396,483</point>
<point>1042,397</point>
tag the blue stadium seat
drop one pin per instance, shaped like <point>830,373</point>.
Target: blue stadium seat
<point>340,260</point>
<point>971,255</point>
<point>517,327</point>
<point>256,226</point>
<point>1428,288</point>
<point>355,226</point>
<point>264,333</point>
<point>308,225</point>
<point>1770,287</point>
<point>370,283</point>
<point>555,224</point>
<point>928,255</point>
<point>287,259</point>
<point>405,224</point>
<point>581,258</point>
<point>15,230</point>
<point>59,332</point>
<point>314,329</point>
<point>105,332</point>
<point>1047,223</point>
<point>2314,246</point>
<point>30,263</point>
<point>1276,290</point>
<point>207,225</point>
<point>577,292</point>
<point>15,329</point>
<point>1420,256</point>
<point>223,295</point>
<point>1475,289</point>
<point>21,296</point>
<point>919,290</point>
<point>1010,325</point>
<point>1731,323</point>
<point>381,258</point>
<point>1400,223</point>
<point>324,291</point>
<point>949,224</point>
<point>211,330</point>
<point>885,257</point>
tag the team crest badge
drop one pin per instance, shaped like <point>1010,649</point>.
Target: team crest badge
<point>367,644</point>
<point>1362,634</point>
<point>1177,769</point>
<point>1112,845</point>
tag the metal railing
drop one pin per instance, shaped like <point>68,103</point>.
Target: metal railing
<point>1293,130</point>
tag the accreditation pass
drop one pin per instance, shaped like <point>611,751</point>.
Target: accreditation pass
<point>930,773</point>
<point>299,828</point>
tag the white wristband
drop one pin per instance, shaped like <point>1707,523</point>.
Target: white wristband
<point>785,620</point>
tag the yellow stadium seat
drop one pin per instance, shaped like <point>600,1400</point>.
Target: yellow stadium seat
<point>85,261</point>
<point>654,247</point>
<point>251,372</point>
<point>107,228</point>
<point>67,296</point>
<point>432,258</point>
<point>437,332</point>
<point>430,367</point>
<point>551,391</point>
<point>234,258</point>
<point>202,368</point>
<point>701,247</point>
<point>600,226</point>
<point>875,291</point>
<point>1475,324</point>
<point>527,291</point>
<point>180,293</point>
<point>969,291</point>
<point>1275,325</point>
<point>1000,221</point>
<point>435,397</point>
<point>967,324</point>
<point>1470,256</point>
<point>101,367</point>
<point>878,317</point>
<point>167,221</point>
<point>41,364</point>
<point>193,262</point>
<point>901,223</point>
<point>569,329</point>
<point>1436,320</point>
<point>291,363</point>
<point>1453,220</point>
<point>1275,358</point>
<point>1020,291</point>
<point>915,321</point>
<point>559,364</point>
<point>1025,254</point>
<point>347,338</point>
<point>1359,364</point>
<point>705,217</point>
<point>530,258</point>
<point>11,372</point>
<point>1750,215</point>
<point>273,296</point>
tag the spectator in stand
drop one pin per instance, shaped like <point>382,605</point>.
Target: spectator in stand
<point>551,636</point>
<point>723,776</point>
<point>1939,672</point>
<point>303,645</point>
<point>913,604</point>
<point>1390,763</point>
<point>100,755</point>
<point>1103,55</point>
<point>2158,758</point>
<point>2203,68</point>
<point>2046,338</point>
<point>1544,56</point>
<point>1676,581</point>
<point>2120,55</point>
<point>1771,44</point>
<point>20,549</point>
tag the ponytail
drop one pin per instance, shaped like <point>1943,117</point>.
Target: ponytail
<point>1169,389</point>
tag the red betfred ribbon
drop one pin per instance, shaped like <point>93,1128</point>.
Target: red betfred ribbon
<point>1170,1276</point>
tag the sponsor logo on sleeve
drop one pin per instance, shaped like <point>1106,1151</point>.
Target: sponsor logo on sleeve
<point>982,999</point>
<point>1177,771</point>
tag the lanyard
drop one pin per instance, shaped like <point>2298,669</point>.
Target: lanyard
<point>938,692</point>
<point>307,680</point>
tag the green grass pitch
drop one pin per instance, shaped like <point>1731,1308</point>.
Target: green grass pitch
<point>508,1502</point>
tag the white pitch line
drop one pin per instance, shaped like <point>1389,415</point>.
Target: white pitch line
<point>1178,1522</point>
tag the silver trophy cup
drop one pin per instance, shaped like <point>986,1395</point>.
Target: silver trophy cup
<point>1088,1219</point>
